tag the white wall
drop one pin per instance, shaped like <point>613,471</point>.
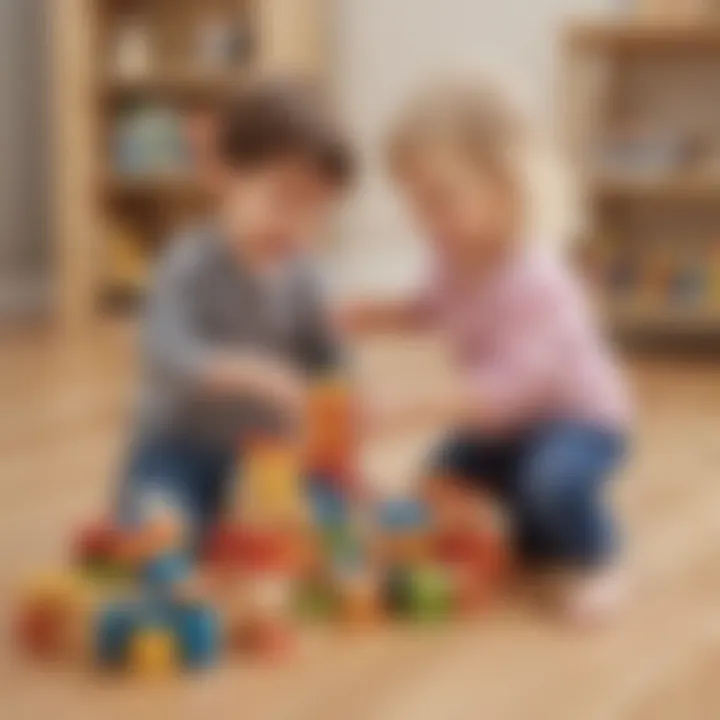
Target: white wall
<point>384,48</point>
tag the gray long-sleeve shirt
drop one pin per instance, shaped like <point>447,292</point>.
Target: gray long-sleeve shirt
<point>203,300</point>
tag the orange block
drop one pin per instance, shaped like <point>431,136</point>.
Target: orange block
<point>331,440</point>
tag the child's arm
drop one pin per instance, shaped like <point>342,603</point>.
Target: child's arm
<point>539,339</point>
<point>376,316</point>
<point>174,346</point>
<point>454,405</point>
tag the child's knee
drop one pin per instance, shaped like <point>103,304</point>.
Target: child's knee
<point>549,496</point>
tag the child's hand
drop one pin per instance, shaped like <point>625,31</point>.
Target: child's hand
<point>262,377</point>
<point>388,413</point>
<point>454,406</point>
<point>367,316</point>
<point>354,318</point>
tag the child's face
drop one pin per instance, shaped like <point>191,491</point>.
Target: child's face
<point>462,209</point>
<point>274,212</point>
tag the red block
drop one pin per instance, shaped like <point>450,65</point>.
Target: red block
<point>250,549</point>
<point>96,542</point>
<point>39,630</point>
<point>482,552</point>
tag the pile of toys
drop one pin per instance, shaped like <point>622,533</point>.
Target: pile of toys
<point>295,546</point>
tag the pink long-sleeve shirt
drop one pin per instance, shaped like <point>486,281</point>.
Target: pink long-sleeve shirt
<point>529,346</point>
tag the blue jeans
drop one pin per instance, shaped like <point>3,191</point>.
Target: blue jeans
<point>551,480</point>
<point>194,477</point>
<point>197,479</point>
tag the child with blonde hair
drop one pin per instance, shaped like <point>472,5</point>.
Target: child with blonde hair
<point>539,414</point>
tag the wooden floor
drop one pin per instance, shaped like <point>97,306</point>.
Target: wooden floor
<point>62,410</point>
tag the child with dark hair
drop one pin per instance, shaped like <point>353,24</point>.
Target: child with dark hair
<point>235,322</point>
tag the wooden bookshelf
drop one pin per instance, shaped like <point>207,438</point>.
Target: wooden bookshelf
<point>169,84</point>
<point>640,111</point>
<point>93,91</point>
<point>643,35</point>
<point>662,189</point>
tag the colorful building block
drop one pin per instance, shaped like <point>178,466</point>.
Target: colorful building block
<point>359,597</point>
<point>198,633</point>
<point>114,628</point>
<point>331,448</point>
<point>153,651</point>
<point>270,486</point>
<point>404,532</point>
<point>316,599</point>
<point>52,614</point>
<point>422,593</point>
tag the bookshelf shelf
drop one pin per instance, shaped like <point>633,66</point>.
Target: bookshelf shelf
<point>169,84</point>
<point>644,35</point>
<point>640,113</point>
<point>160,184</point>
<point>127,76</point>
<point>671,188</point>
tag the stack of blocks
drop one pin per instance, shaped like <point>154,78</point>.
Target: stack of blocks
<point>295,545</point>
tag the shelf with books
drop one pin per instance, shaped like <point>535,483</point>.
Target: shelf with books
<point>133,89</point>
<point>642,116</point>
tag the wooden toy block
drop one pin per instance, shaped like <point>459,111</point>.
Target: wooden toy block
<point>95,542</point>
<point>114,628</point>
<point>404,532</point>
<point>332,434</point>
<point>153,651</point>
<point>359,598</point>
<point>329,504</point>
<point>343,546</point>
<point>316,599</point>
<point>198,633</point>
<point>38,631</point>
<point>271,488</point>
<point>421,593</point>
<point>245,549</point>
<point>54,614</point>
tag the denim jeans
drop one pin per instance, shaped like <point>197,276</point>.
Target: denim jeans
<point>197,479</point>
<point>551,480</point>
<point>194,477</point>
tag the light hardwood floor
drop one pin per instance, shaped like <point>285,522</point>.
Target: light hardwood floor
<point>62,410</point>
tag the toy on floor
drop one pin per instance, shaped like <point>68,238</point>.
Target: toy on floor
<point>295,545</point>
<point>331,448</point>
<point>54,616</point>
<point>157,636</point>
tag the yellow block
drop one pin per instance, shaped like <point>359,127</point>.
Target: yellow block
<point>152,653</point>
<point>271,483</point>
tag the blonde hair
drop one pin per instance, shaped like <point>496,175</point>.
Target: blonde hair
<point>475,119</point>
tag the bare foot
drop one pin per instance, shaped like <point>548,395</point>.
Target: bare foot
<point>594,597</point>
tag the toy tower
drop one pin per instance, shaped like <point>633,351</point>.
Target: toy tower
<point>270,484</point>
<point>332,440</point>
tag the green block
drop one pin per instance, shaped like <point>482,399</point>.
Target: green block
<point>342,546</point>
<point>316,601</point>
<point>419,593</point>
<point>106,573</point>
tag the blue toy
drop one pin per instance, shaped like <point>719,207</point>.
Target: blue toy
<point>329,504</point>
<point>197,630</point>
<point>403,516</point>
<point>192,628</point>
<point>113,629</point>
